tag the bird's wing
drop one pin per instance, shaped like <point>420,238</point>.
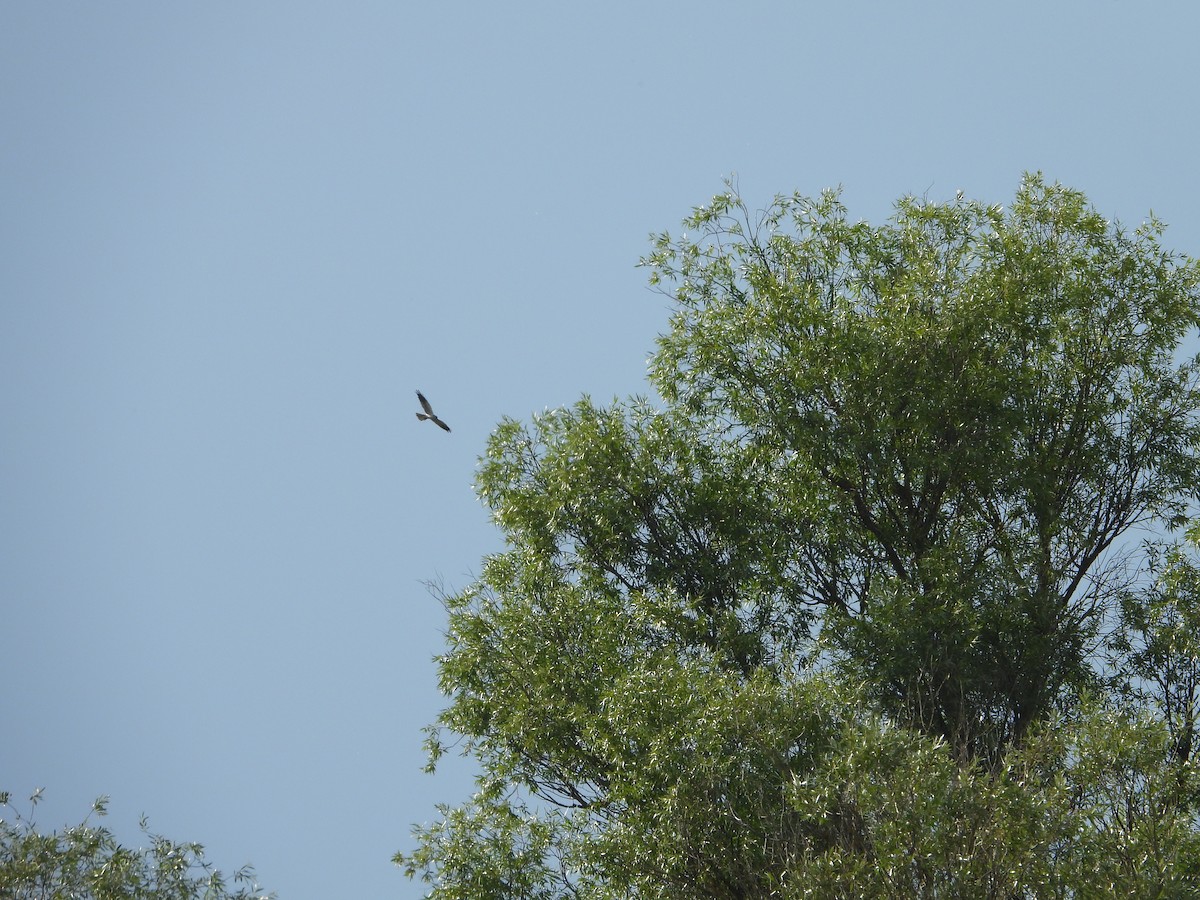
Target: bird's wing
<point>424,403</point>
<point>439,422</point>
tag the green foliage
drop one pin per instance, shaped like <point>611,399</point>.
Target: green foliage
<point>1158,644</point>
<point>86,861</point>
<point>978,404</point>
<point>832,622</point>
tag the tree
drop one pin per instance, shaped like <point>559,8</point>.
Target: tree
<point>86,861</point>
<point>830,622</point>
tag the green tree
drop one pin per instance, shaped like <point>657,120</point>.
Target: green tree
<point>86,861</point>
<point>830,622</point>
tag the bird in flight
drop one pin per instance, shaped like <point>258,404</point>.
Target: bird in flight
<point>429,413</point>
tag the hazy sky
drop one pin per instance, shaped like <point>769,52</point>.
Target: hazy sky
<point>235,237</point>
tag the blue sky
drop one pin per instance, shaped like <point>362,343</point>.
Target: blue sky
<point>235,237</point>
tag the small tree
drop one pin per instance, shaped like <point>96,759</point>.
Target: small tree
<point>86,861</point>
<point>839,602</point>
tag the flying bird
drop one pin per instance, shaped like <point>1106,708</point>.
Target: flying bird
<point>429,413</point>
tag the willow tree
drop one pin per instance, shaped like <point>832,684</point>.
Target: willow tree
<point>841,607</point>
<point>85,861</point>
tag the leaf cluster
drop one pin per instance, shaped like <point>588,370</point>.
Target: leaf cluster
<point>86,861</point>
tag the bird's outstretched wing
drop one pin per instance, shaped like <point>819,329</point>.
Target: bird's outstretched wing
<point>425,405</point>
<point>429,413</point>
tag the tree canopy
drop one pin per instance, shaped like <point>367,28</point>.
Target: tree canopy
<point>891,595</point>
<point>85,861</point>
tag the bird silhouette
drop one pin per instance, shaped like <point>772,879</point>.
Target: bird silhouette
<point>429,413</point>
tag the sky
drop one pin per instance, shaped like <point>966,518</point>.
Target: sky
<point>236,236</point>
